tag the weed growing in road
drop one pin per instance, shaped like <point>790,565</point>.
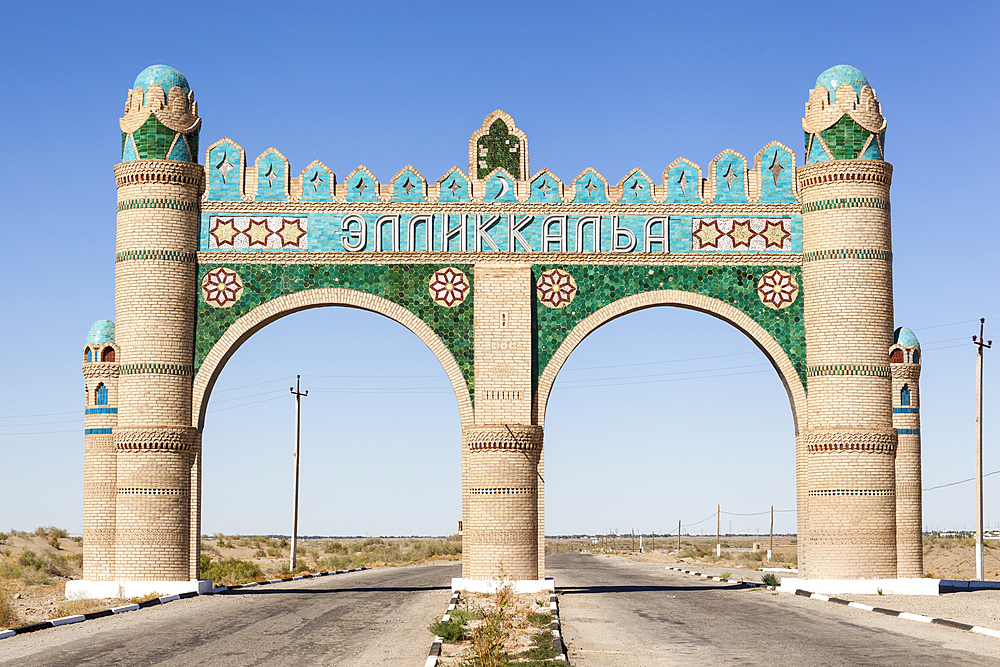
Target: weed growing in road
<point>725,575</point>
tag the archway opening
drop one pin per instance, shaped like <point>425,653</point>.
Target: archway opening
<point>661,415</point>
<point>380,434</point>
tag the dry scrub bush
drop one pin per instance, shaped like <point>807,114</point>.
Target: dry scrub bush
<point>8,617</point>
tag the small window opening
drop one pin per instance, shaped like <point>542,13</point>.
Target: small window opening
<point>896,357</point>
<point>89,355</point>
<point>108,354</point>
<point>904,395</point>
<point>101,395</point>
<point>916,356</point>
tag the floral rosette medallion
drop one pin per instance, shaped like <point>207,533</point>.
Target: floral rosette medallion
<point>449,287</point>
<point>556,288</point>
<point>221,287</point>
<point>777,289</point>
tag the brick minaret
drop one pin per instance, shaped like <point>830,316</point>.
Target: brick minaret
<point>100,370</point>
<point>849,441</point>
<point>158,451</point>
<point>904,359</point>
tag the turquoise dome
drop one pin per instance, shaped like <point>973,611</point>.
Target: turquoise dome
<point>836,76</point>
<point>905,337</point>
<point>103,331</point>
<point>164,75</point>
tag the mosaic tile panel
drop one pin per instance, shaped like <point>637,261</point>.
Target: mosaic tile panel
<point>406,285</point>
<point>845,139</point>
<point>153,139</point>
<point>499,148</point>
<point>599,286</point>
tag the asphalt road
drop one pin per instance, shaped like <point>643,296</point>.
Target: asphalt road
<point>617,613</point>
<point>376,617</point>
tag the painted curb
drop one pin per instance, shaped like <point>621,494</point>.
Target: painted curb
<point>79,618</point>
<point>556,628</point>
<point>864,607</point>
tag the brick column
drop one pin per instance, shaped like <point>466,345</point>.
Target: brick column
<point>502,450</point>
<point>850,442</point>
<point>99,468</point>
<point>155,301</point>
<point>909,494</point>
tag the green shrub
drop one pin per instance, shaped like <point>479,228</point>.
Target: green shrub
<point>752,556</point>
<point>4,537</point>
<point>465,615</point>
<point>541,619</point>
<point>229,571</point>
<point>10,571</point>
<point>541,647</point>
<point>451,631</point>
<point>770,579</point>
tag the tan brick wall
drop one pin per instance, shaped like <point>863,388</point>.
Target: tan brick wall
<point>909,492</point>
<point>99,475</point>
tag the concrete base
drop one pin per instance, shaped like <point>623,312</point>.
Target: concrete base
<point>491,585</point>
<point>863,586</point>
<point>82,588</point>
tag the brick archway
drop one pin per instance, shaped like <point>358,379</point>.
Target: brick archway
<point>262,315</point>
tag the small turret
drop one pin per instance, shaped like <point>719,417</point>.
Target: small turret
<point>161,118</point>
<point>904,361</point>
<point>843,119</point>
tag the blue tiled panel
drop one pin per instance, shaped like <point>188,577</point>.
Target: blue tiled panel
<point>776,190</point>
<point>499,188</point>
<point>101,411</point>
<point>454,188</point>
<point>816,153</point>
<point>796,232</point>
<point>637,189</point>
<point>733,189</point>
<point>316,184</point>
<point>872,152</point>
<point>908,431</point>
<point>683,190</point>
<point>129,153</point>
<point>544,189</point>
<point>906,411</point>
<point>361,186</point>
<point>225,188</point>
<point>597,194</point>
<point>180,150</point>
<point>680,233</point>
<point>97,431</point>
<point>271,177</point>
<point>408,180</point>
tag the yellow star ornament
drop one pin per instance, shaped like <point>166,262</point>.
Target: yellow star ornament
<point>224,232</point>
<point>258,233</point>
<point>291,232</point>
<point>775,235</point>
<point>708,234</point>
<point>741,234</point>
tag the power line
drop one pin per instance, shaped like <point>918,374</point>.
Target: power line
<point>755,513</point>
<point>962,481</point>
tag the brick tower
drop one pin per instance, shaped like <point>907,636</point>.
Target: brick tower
<point>100,371</point>
<point>904,359</point>
<point>849,442</point>
<point>158,451</point>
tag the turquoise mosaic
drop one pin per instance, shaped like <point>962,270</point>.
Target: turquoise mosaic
<point>545,189</point>
<point>637,189</point>
<point>776,178</point>
<point>816,153</point>
<point>730,179</point>
<point>454,187</point>
<point>103,331</point>
<point>590,189</point>
<point>408,186</point>
<point>499,189</point>
<point>602,285</point>
<point>406,285</point>
<point>180,151</point>
<point>682,184</point>
<point>316,182</point>
<point>225,163</point>
<point>271,177</point>
<point>361,186</point>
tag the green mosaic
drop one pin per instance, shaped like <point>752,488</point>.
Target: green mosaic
<point>168,255</point>
<point>847,253</point>
<point>736,285</point>
<point>147,202</point>
<point>153,139</point>
<point>404,284</point>
<point>846,202</point>
<point>502,150</point>
<point>845,139</point>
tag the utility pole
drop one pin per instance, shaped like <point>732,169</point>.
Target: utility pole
<point>295,484</point>
<point>770,547</point>
<point>678,536</point>
<point>980,564</point>
<point>718,531</point>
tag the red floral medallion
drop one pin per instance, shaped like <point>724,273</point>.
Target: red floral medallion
<point>556,288</point>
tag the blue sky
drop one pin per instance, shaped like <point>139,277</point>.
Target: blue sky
<point>610,86</point>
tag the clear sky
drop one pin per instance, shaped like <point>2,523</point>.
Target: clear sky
<point>658,416</point>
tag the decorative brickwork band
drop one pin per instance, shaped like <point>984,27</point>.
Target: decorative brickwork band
<point>146,202</point>
<point>498,537</point>
<point>506,491</point>
<point>165,255</point>
<point>847,253</point>
<point>100,370</point>
<point>853,537</point>
<point>840,171</point>
<point>905,371</point>
<point>157,369</point>
<point>881,442</point>
<point>846,202</point>
<point>159,171</point>
<point>514,436</point>
<point>151,537</point>
<point>174,438</point>
<point>848,369</point>
<point>135,491</point>
<point>851,492</point>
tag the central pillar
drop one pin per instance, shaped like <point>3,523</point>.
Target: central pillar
<point>501,479</point>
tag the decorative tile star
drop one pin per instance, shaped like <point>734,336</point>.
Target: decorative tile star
<point>776,167</point>
<point>291,232</point>
<point>556,288</point>
<point>361,185</point>
<point>545,187</point>
<point>224,232</point>
<point>730,176</point>
<point>221,287</point>
<point>270,175</point>
<point>449,287</point>
<point>683,181</point>
<point>454,187</point>
<point>708,234</point>
<point>258,233</point>
<point>590,187</point>
<point>316,181</point>
<point>408,185</point>
<point>741,234</point>
<point>775,235</point>
<point>777,289</point>
<point>635,187</point>
<point>224,166</point>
